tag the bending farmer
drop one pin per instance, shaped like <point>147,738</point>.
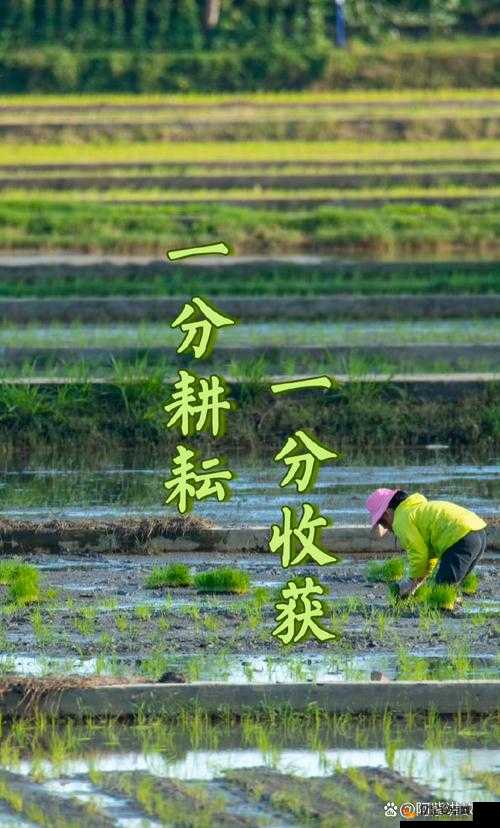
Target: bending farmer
<point>430,531</point>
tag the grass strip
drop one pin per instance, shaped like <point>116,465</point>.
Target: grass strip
<point>128,412</point>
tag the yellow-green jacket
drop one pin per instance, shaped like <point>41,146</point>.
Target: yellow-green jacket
<point>427,528</point>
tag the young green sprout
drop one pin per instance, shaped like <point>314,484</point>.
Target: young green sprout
<point>173,575</point>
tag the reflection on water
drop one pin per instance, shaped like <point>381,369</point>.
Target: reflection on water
<point>339,492</point>
<point>444,771</point>
<point>261,669</point>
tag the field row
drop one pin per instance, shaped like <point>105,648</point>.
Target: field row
<point>403,128</point>
<point>201,152</point>
<point>319,112</point>
<point>273,198</point>
<point>72,275</point>
<point>416,181</point>
<point>288,334</point>
<point>335,308</point>
<point>440,362</point>
<point>419,165</point>
<point>311,98</point>
<point>400,228</point>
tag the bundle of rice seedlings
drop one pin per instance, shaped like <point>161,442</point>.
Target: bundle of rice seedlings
<point>24,585</point>
<point>470,584</point>
<point>173,575</point>
<point>8,568</point>
<point>386,571</point>
<point>223,580</point>
<point>442,596</point>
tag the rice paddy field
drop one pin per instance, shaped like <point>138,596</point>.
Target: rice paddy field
<point>363,230</point>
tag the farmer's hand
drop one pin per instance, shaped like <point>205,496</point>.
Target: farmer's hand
<point>408,586</point>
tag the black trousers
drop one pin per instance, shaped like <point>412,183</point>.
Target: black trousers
<point>461,558</point>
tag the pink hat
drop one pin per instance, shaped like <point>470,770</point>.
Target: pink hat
<point>378,502</point>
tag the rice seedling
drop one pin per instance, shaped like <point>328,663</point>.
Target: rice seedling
<point>106,640</point>
<point>212,623</point>
<point>386,571</point>
<point>260,597</point>
<point>224,579</point>
<point>164,624</point>
<point>173,575</point>
<point>191,611</point>
<point>44,634</point>
<point>122,623</point>
<point>84,626</point>
<point>143,612</point>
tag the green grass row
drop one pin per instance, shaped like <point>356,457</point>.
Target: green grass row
<point>266,278</point>
<point>399,230</point>
<point>360,418</point>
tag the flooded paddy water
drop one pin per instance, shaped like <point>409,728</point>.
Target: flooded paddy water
<point>340,491</point>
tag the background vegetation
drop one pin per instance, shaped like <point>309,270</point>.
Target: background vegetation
<point>180,24</point>
<point>141,45</point>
